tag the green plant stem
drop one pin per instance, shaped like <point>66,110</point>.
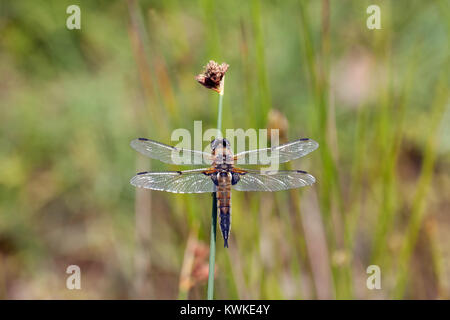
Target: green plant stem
<point>212,248</point>
<point>418,209</point>
<point>212,242</point>
<point>219,116</point>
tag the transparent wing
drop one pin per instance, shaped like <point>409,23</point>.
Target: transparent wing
<point>169,154</point>
<point>189,181</point>
<point>257,180</point>
<point>283,153</point>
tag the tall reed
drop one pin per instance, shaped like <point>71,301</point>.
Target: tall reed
<point>214,78</point>
<point>212,243</point>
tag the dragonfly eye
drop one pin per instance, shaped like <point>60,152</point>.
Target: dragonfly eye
<point>225,143</point>
<point>214,144</point>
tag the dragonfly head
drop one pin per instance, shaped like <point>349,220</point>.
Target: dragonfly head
<point>220,142</point>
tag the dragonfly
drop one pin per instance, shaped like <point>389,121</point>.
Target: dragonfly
<point>222,175</point>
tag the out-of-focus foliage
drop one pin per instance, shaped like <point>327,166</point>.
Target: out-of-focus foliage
<point>376,100</point>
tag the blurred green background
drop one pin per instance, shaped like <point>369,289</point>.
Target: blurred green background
<point>377,101</point>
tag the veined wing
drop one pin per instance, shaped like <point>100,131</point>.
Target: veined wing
<point>279,154</point>
<point>189,181</point>
<point>169,154</point>
<point>257,180</point>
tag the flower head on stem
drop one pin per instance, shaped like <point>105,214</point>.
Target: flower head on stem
<point>212,76</point>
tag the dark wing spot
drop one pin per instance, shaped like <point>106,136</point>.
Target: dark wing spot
<point>214,179</point>
<point>301,171</point>
<point>143,172</point>
<point>304,139</point>
<point>235,177</point>
<point>179,172</point>
<point>143,139</point>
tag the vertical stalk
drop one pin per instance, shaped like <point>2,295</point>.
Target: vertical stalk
<point>418,209</point>
<point>212,248</point>
<point>212,242</point>
<point>219,116</point>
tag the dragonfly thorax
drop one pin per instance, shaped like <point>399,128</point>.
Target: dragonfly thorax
<point>224,167</point>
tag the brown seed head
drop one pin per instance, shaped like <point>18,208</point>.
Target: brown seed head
<point>276,120</point>
<point>213,75</point>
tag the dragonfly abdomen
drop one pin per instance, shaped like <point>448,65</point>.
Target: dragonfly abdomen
<point>224,204</point>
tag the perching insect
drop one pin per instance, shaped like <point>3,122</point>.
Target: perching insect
<point>222,175</point>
